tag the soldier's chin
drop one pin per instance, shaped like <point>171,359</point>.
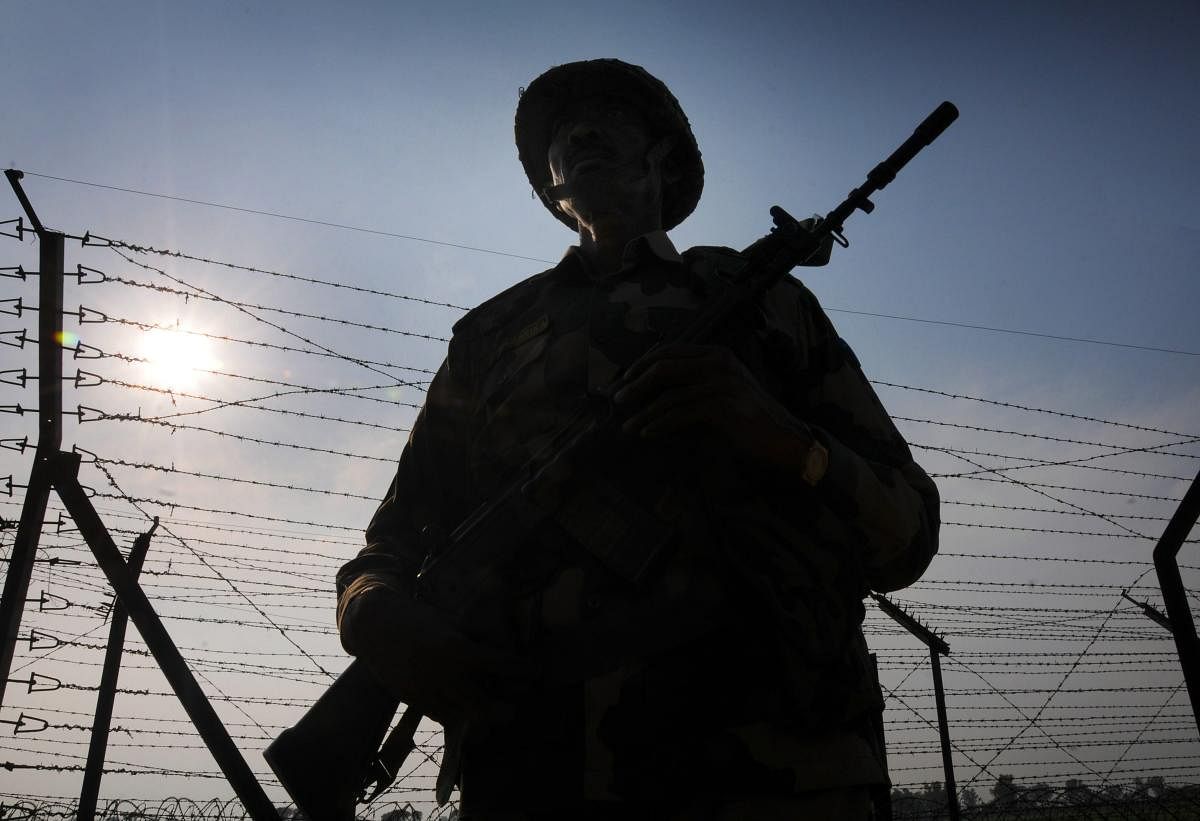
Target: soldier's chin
<point>591,209</point>
<point>584,179</point>
<point>591,197</point>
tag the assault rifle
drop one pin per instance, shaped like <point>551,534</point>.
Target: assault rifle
<point>331,759</point>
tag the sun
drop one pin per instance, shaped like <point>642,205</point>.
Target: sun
<point>176,358</point>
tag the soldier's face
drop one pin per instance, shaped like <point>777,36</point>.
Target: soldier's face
<point>599,145</point>
<point>596,135</point>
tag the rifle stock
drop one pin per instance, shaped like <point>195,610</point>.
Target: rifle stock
<point>326,761</point>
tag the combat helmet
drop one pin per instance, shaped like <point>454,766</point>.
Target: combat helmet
<point>544,98</point>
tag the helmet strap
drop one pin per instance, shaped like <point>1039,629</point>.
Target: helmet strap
<point>557,193</point>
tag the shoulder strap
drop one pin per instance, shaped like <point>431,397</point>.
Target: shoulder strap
<point>494,311</point>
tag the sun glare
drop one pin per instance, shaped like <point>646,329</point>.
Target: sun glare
<point>175,359</point>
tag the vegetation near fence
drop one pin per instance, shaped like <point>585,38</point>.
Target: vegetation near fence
<point>182,809</point>
<point>1149,798</point>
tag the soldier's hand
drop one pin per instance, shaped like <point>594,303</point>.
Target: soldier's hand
<point>429,664</point>
<point>697,389</point>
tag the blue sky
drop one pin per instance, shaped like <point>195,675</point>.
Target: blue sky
<point>1056,204</point>
<point>1059,203</point>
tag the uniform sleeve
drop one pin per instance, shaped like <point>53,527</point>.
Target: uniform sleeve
<point>430,489</point>
<point>885,500</point>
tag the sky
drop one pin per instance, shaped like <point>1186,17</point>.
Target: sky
<point>1057,205</point>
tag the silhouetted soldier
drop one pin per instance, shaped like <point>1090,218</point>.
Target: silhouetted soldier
<point>728,678</point>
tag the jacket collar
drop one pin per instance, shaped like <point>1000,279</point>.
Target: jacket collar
<point>649,247</point>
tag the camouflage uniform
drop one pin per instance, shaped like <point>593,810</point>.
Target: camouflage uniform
<point>737,668</point>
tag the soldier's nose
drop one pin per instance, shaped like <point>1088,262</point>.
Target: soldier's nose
<point>582,132</point>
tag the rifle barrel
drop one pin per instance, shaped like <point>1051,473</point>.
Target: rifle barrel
<point>925,133</point>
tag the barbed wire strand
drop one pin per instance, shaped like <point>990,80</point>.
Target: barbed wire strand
<point>260,319</point>
<point>148,249</point>
<point>112,481</point>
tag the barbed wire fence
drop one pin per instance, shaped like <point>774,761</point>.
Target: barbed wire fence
<point>262,432</point>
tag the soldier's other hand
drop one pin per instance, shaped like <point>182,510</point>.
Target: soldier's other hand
<point>429,664</point>
<point>685,390</point>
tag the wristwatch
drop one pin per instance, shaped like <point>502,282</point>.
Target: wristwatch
<point>816,462</point>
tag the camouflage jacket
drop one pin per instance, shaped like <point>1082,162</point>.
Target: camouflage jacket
<point>739,666</point>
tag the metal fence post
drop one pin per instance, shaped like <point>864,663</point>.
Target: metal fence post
<point>37,494</point>
<point>108,687</point>
<point>58,470</point>
<point>1183,628</point>
<point>937,646</point>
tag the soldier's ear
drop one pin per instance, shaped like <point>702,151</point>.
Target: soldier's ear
<point>662,156</point>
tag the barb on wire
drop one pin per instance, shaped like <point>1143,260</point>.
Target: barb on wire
<point>86,415</point>
<point>1032,409</point>
<point>1033,722</point>
<point>275,215</point>
<point>1078,462</point>
<point>1039,436</point>
<point>1119,759</point>
<point>107,417</point>
<point>1027,509</point>
<point>262,517</point>
<point>1003,478</point>
<point>112,481</point>
<point>147,249</point>
<point>82,351</point>
<point>218,404</point>
<point>242,305</point>
<point>1095,637</point>
<point>218,477</point>
<point>260,319</point>
<point>983,768</point>
<point>1015,332</point>
<point>1052,531</point>
<point>350,392</point>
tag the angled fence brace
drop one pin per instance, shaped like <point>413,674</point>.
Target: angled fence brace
<point>59,470</point>
<point>1179,614</point>
<point>1152,612</point>
<point>98,747</point>
<point>937,646</point>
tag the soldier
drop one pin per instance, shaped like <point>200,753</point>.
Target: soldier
<point>684,637</point>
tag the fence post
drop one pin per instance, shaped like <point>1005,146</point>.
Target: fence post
<point>58,470</point>
<point>108,687</point>
<point>937,646</point>
<point>1183,628</point>
<point>882,795</point>
<point>37,493</point>
<point>935,664</point>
